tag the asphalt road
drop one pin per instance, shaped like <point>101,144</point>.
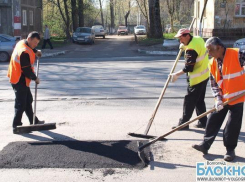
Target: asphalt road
<point>93,98</point>
<point>111,46</point>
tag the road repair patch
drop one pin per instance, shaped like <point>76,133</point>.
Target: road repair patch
<point>71,154</point>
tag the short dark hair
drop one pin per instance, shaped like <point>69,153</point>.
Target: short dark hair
<point>34,34</point>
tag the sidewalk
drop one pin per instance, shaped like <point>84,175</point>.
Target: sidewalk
<point>172,51</point>
<point>56,51</point>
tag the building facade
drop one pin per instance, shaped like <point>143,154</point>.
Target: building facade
<point>222,18</point>
<point>19,17</point>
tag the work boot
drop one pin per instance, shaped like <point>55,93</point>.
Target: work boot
<point>180,123</point>
<point>39,122</point>
<point>200,125</point>
<point>229,156</point>
<point>185,128</point>
<point>15,130</point>
<point>200,148</point>
<point>15,125</point>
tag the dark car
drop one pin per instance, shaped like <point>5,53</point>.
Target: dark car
<point>83,35</point>
<point>122,30</point>
<point>7,44</point>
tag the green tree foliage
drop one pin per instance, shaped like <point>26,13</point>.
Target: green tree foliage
<point>53,17</point>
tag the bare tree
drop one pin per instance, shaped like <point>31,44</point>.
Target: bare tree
<point>101,12</point>
<point>157,20</point>
<point>112,15</point>
<point>142,4</point>
<point>171,10</point>
<point>74,14</point>
<point>127,14</point>
<point>65,15</point>
<point>80,13</point>
<point>151,18</point>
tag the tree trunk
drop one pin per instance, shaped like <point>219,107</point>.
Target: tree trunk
<point>127,14</point>
<point>157,19</point>
<point>151,18</point>
<point>112,16</point>
<point>80,13</point>
<point>74,14</point>
<point>171,9</point>
<point>65,19</point>
<point>101,12</point>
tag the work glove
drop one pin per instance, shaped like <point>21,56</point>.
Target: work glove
<point>218,105</point>
<point>39,53</point>
<point>37,81</point>
<point>173,77</point>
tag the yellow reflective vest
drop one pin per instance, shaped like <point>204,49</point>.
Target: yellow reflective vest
<point>200,71</point>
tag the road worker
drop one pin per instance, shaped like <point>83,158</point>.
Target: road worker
<point>227,78</point>
<point>20,73</point>
<point>196,68</point>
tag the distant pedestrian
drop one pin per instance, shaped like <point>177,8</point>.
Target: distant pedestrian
<point>46,38</point>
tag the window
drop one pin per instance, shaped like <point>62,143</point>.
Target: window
<point>31,17</point>
<point>2,39</point>
<point>24,21</point>
<point>240,8</point>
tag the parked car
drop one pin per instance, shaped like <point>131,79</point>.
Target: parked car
<point>7,44</point>
<point>240,43</point>
<point>122,30</point>
<point>140,30</point>
<point>83,35</point>
<point>99,31</point>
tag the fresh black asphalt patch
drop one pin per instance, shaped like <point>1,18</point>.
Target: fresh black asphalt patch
<point>71,154</point>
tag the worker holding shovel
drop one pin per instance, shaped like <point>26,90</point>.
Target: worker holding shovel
<point>196,67</point>
<point>227,77</point>
<point>20,73</point>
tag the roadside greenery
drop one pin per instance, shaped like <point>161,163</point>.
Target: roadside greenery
<point>169,35</point>
<point>143,40</point>
<point>56,42</point>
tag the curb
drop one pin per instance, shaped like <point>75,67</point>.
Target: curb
<point>53,54</point>
<point>166,53</point>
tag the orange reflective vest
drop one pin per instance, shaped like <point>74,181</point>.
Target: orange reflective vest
<point>14,71</point>
<point>233,82</point>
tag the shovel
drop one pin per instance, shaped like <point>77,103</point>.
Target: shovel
<point>181,49</point>
<point>141,146</point>
<point>35,127</point>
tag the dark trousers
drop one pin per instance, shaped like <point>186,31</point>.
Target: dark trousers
<point>47,41</point>
<point>232,129</point>
<point>194,99</point>
<point>23,103</point>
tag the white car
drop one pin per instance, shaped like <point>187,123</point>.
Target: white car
<point>99,31</point>
<point>140,30</point>
<point>240,44</point>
